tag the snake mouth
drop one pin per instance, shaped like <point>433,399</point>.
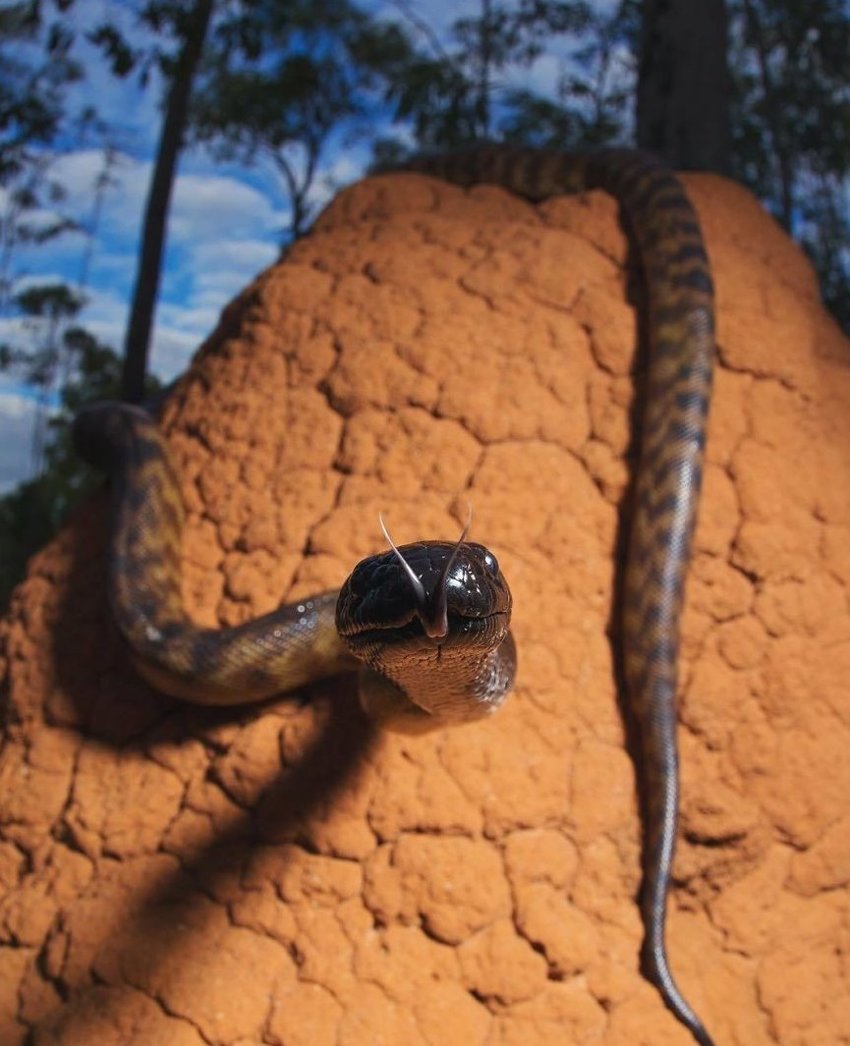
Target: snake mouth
<point>460,629</point>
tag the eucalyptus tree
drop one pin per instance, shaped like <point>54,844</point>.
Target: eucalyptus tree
<point>683,88</point>
<point>178,30</point>
<point>36,70</point>
<point>286,81</point>
<point>472,82</point>
<point>791,125</point>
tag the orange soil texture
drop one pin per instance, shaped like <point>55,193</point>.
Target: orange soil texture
<point>280,874</point>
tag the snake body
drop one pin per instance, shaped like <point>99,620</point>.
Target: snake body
<point>417,670</point>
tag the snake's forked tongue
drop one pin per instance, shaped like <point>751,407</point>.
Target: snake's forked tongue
<point>431,608</point>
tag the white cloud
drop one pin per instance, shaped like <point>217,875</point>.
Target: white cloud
<point>438,16</point>
<point>178,330</point>
<point>209,207</point>
<point>205,204</point>
<point>543,76</point>
<point>345,167</point>
<point>247,255</point>
<point>171,351</point>
<point>222,232</point>
<point>222,270</point>
<point>17,414</point>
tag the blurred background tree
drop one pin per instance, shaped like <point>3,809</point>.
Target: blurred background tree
<point>755,88</point>
<point>791,126</point>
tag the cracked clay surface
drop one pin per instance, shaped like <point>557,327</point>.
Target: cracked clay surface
<point>279,874</point>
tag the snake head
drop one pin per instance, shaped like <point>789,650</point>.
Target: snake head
<point>431,592</point>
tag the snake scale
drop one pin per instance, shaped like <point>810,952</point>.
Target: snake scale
<point>428,623</point>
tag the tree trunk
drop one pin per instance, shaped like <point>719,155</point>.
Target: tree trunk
<point>683,84</point>
<point>137,342</point>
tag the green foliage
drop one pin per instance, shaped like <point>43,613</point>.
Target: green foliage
<point>46,310</point>
<point>121,56</point>
<point>279,80</point>
<point>34,74</point>
<point>170,23</point>
<point>792,98</point>
<point>465,90</point>
<point>25,526</point>
<point>791,125</point>
<point>33,511</point>
<point>36,69</point>
<point>592,95</point>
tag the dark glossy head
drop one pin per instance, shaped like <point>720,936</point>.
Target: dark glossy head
<point>452,593</point>
<point>107,433</point>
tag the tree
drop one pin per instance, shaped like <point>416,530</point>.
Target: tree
<point>32,512</point>
<point>36,69</point>
<point>286,79</point>
<point>189,26</point>
<point>593,93</point>
<point>43,365</point>
<point>276,80</point>
<point>461,90</point>
<point>683,84</point>
<point>791,125</point>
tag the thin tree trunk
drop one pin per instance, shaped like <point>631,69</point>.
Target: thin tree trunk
<point>137,342</point>
<point>482,104</point>
<point>683,84</point>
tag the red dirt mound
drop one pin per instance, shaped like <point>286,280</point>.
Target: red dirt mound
<point>279,874</point>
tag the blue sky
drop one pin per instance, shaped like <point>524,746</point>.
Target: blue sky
<point>224,227</point>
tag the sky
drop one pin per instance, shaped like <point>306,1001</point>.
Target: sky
<point>224,227</point>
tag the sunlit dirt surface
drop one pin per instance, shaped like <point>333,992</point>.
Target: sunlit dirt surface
<point>280,874</point>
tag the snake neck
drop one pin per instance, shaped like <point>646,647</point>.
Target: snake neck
<point>449,684</point>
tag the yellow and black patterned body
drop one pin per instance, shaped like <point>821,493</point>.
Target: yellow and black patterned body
<point>300,642</point>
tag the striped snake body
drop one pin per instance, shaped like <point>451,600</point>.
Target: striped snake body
<point>428,623</point>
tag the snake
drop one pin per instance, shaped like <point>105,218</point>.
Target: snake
<point>427,625</point>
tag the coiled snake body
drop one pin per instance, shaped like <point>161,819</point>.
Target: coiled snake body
<point>428,623</point>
